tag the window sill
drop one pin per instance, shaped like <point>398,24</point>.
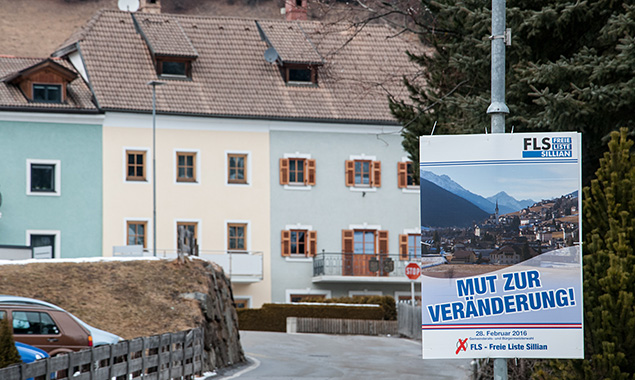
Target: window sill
<point>299,259</point>
<point>298,187</point>
<point>360,189</point>
<point>43,193</point>
<point>410,190</point>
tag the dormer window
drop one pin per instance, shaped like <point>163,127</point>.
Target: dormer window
<point>44,82</point>
<point>171,49</point>
<point>47,93</point>
<point>174,68</point>
<point>289,47</point>
<point>300,74</point>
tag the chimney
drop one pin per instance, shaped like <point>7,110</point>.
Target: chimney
<point>295,10</point>
<point>150,6</point>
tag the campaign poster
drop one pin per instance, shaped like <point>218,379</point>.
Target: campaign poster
<point>502,213</point>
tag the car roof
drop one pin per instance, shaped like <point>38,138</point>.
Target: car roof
<point>19,306</point>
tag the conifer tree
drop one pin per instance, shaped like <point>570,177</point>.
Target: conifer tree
<point>609,268</point>
<point>571,67</point>
<point>8,352</point>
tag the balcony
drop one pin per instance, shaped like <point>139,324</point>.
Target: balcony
<point>353,267</point>
<point>240,267</point>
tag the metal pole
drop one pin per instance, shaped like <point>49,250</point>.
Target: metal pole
<point>154,169</point>
<point>497,108</point>
<point>154,85</point>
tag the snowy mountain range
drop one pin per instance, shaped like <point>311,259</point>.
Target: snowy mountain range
<point>506,203</point>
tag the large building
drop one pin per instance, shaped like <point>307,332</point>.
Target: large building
<point>276,153</point>
<point>50,159</point>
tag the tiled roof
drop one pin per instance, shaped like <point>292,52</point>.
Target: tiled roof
<point>230,77</point>
<point>79,97</point>
<point>164,36</point>
<point>290,41</point>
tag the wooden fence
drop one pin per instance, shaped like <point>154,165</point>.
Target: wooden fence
<point>159,357</point>
<point>341,326</point>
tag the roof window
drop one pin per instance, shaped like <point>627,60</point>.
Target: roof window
<point>43,82</point>
<point>47,93</point>
<point>299,74</point>
<point>174,68</point>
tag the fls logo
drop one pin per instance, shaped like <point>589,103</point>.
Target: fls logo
<point>547,147</point>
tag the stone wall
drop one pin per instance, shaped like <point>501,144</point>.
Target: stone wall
<point>222,339</point>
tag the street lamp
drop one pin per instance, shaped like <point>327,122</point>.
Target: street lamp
<point>154,84</point>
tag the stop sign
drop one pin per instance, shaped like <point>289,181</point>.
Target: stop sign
<point>413,271</point>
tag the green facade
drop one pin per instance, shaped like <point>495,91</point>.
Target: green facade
<point>75,213</point>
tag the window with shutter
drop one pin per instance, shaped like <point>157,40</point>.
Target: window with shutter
<point>347,241</point>
<point>403,247</point>
<point>310,172</point>
<point>312,246</point>
<point>286,243</point>
<point>376,166</point>
<point>405,176</point>
<point>382,242</point>
<point>363,173</point>
<point>402,175</point>
<point>297,171</point>
<point>298,242</point>
<point>284,171</point>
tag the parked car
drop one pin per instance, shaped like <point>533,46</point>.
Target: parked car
<point>48,329</point>
<point>29,354</point>
<point>100,337</point>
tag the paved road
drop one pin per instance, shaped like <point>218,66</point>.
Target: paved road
<point>317,356</point>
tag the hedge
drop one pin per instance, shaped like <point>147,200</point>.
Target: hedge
<point>273,317</point>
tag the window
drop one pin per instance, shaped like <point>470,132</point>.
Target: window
<point>186,167</point>
<point>236,168</point>
<point>47,93</point>
<point>135,165</point>
<point>300,74</point>
<point>174,68</point>
<point>33,322</point>
<point>236,240</point>
<point>363,173</point>
<point>137,233</point>
<point>298,242</point>
<point>405,178</point>
<point>43,178</point>
<point>364,242</point>
<point>241,303</point>
<point>410,247</point>
<point>44,241</point>
<point>297,171</point>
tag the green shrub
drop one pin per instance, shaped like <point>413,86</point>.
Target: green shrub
<point>8,352</point>
<point>273,317</point>
<point>387,303</point>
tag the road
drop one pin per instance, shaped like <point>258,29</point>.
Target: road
<point>318,356</point>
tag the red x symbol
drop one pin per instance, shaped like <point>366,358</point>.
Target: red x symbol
<point>462,345</point>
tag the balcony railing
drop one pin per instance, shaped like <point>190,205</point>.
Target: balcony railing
<point>353,267</point>
<point>240,266</point>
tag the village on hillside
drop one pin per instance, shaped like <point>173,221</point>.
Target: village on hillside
<point>508,239</point>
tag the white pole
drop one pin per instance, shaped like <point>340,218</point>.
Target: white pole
<point>154,85</point>
<point>412,292</point>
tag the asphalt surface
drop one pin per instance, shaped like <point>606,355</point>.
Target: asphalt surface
<point>319,356</point>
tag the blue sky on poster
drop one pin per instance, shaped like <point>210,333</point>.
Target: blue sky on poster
<point>527,181</point>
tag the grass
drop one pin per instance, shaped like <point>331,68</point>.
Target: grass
<point>127,298</point>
